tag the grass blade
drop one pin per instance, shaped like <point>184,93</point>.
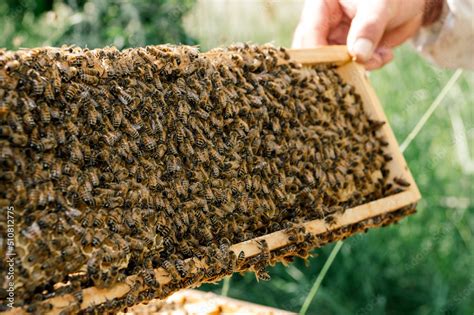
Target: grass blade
<point>430,110</point>
<point>225,286</point>
<point>320,278</point>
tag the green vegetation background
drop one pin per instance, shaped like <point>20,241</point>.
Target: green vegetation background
<point>423,265</point>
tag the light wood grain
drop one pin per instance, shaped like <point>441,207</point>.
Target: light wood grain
<point>337,54</point>
<point>353,74</point>
<point>324,54</point>
<point>199,302</point>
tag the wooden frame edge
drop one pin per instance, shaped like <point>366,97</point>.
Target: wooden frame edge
<point>337,54</point>
<point>228,305</point>
<point>357,76</point>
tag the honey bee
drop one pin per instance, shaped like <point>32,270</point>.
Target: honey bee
<point>87,219</point>
<point>224,245</point>
<point>130,129</point>
<point>99,218</point>
<point>117,116</point>
<point>28,120</point>
<point>5,131</point>
<point>39,307</point>
<point>76,155</point>
<point>109,278</point>
<point>330,219</point>
<point>93,116</point>
<point>86,237</point>
<point>110,256</point>
<point>173,165</point>
<point>201,113</point>
<point>114,202</point>
<point>69,168</point>
<point>68,73</point>
<point>114,220</point>
<point>140,176</point>
<point>93,265</point>
<point>150,278</point>
<point>124,97</point>
<point>387,157</point>
<point>72,91</point>
<point>71,128</point>
<point>393,191</point>
<point>111,138</point>
<point>132,295</point>
<point>181,268</point>
<point>40,176</point>
<point>265,250</point>
<point>401,182</point>
<point>45,113</point>
<point>168,245</point>
<point>240,259</point>
<point>149,143</point>
<point>262,274</point>
<point>163,230</point>
<point>89,79</point>
<point>98,238</point>
<point>296,234</point>
<point>183,111</point>
<point>37,82</point>
<point>48,221</point>
<point>78,296</point>
<point>55,80</point>
<point>376,125</point>
<point>170,269</point>
<point>215,171</point>
<point>202,156</point>
<point>75,59</point>
<point>180,133</point>
<point>187,149</point>
<point>104,106</point>
<point>20,140</point>
<point>12,66</point>
<point>186,249</point>
<point>207,236</point>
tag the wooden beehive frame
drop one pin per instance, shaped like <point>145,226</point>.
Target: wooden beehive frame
<point>352,73</point>
<point>200,302</point>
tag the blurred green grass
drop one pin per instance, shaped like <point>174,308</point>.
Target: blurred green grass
<point>424,264</point>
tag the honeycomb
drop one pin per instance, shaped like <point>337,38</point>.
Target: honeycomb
<point>121,162</point>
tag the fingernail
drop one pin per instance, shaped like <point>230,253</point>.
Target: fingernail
<point>362,49</point>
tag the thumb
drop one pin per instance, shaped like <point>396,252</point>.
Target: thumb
<point>368,27</point>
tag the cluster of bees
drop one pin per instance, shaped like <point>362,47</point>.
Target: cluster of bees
<point>120,162</point>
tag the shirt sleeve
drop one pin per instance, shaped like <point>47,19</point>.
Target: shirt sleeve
<point>449,42</point>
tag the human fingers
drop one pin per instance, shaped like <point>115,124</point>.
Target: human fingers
<point>306,37</point>
<point>401,34</point>
<point>315,23</point>
<point>368,27</point>
<point>338,34</point>
<point>381,57</point>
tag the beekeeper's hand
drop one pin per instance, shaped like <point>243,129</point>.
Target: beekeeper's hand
<point>370,28</point>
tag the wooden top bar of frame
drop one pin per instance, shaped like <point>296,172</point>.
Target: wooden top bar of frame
<point>353,74</point>
<point>337,55</point>
<point>325,54</point>
<point>199,302</point>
